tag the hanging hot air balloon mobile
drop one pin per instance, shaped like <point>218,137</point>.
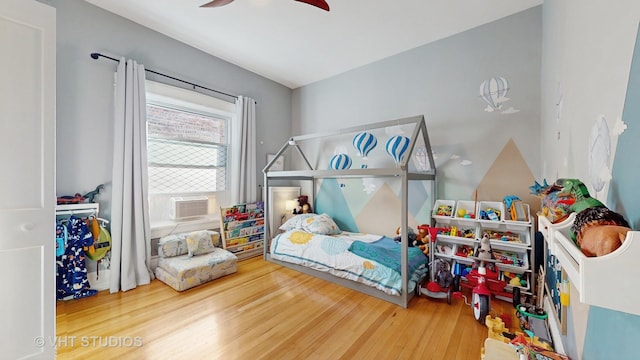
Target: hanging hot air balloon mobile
<point>396,147</point>
<point>494,93</point>
<point>364,142</point>
<point>340,162</point>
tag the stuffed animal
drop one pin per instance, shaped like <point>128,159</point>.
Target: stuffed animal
<point>422,238</point>
<point>602,240</point>
<point>443,277</point>
<point>303,205</point>
<point>412,237</point>
<point>485,252</point>
<point>596,230</point>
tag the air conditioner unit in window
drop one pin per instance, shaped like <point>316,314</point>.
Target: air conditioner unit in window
<point>188,207</point>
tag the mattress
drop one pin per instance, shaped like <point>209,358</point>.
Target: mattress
<point>331,254</point>
<point>184,272</point>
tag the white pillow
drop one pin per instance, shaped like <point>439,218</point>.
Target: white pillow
<point>296,222</point>
<point>321,224</point>
<point>199,242</point>
<point>172,245</point>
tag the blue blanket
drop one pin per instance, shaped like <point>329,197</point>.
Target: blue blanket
<point>387,252</point>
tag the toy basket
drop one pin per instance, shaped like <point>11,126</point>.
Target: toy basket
<point>443,211</point>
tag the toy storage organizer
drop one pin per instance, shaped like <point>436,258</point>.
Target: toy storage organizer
<point>511,241</point>
<point>599,280</point>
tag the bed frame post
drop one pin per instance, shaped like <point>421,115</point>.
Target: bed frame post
<point>404,257</point>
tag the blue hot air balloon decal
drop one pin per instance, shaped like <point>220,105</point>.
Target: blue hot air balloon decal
<point>494,93</point>
<point>396,147</point>
<point>340,162</point>
<point>364,142</point>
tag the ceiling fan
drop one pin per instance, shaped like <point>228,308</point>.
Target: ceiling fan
<point>317,3</point>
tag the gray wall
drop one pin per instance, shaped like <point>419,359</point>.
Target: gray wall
<point>441,80</point>
<point>85,90</point>
<point>587,52</point>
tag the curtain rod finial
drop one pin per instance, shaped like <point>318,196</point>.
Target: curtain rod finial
<point>95,56</point>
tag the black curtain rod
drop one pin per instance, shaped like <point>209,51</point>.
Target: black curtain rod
<point>98,55</point>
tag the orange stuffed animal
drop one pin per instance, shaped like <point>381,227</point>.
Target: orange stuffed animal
<point>602,240</point>
<point>422,238</point>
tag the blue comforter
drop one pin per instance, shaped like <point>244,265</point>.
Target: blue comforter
<point>387,252</point>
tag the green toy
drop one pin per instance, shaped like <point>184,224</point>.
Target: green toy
<point>577,190</point>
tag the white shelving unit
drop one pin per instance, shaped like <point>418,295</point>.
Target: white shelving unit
<point>510,240</point>
<point>597,279</point>
<point>77,209</point>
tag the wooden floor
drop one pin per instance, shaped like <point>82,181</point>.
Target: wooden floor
<point>265,311</point>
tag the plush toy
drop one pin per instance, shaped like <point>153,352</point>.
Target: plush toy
<point>412,237</point>
<point>444,278</point>
<point>485,252</point>
<point>602,240</point>
<point>303,205</point>
<point>596,230</point>
<point>422,238</point>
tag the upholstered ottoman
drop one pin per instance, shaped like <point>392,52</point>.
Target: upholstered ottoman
<point>191,259</point>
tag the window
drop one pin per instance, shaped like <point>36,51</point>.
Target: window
<point>187,147</point>
<point>187,152</point>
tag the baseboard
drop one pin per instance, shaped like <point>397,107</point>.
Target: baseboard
<point>554,326</point>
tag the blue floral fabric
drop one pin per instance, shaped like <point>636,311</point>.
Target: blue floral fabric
<point>71,269</point>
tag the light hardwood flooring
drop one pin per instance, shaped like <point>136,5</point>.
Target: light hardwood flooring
<point>265,311</point>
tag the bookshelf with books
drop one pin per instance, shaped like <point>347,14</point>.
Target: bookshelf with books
<point>242,229</point>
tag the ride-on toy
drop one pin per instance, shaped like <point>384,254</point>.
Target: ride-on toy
<point>442,284</point>
<point>483,282</point>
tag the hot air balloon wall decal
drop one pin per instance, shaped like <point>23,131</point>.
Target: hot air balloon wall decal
<point>396,147</point>
<point>364,142</point>
<point>494,92</point>
<point>421,159</point>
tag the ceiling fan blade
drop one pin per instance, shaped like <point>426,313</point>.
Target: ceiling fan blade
<point>317,3</point>
<point>216,3</point>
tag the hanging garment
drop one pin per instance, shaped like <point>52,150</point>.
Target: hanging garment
<point>72,270</point>
<point>61,245</point>
<point>61,238</point>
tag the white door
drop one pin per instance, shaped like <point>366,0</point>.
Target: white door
<point>27,179</point>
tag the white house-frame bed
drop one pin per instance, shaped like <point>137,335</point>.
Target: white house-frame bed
<point>406,169</point>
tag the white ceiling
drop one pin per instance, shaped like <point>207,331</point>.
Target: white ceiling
<point>296,44</point>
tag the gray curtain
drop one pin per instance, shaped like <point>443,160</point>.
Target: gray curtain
<point>245,130</point>
<point>130,228</point>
